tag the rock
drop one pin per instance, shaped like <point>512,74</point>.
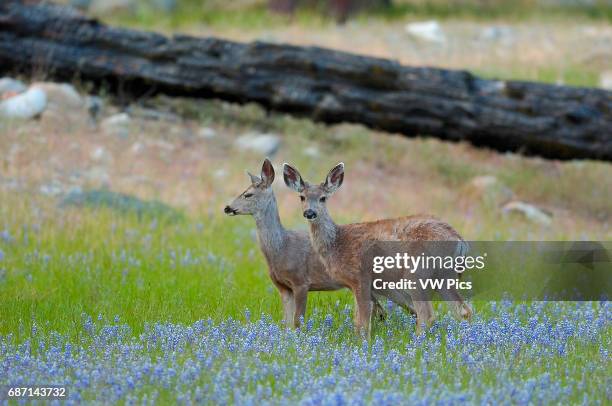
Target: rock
<point>100,154</point>
<point>63,103</point>
<point>11,87</point>
<point>605,80</point>
<point>312,152</point>
<point>206,133</point>
<point>28,104</point>
<point>529,211</point>
<point>426,30</point>
<point>266,144</point>
<point>489,190</point>
<point>122,203</point>
<point>53,188</point>
<point>117,124</point>
<point>61,94</point>
<point>497,33</point>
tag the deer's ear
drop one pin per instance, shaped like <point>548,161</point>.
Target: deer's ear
<point>267,173</point>
<point>255,180</point>
<point>334,179</point>
<point>292,178</point>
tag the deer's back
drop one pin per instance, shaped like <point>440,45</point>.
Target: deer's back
<point>352,239</point>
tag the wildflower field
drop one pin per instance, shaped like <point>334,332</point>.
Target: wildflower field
<point>138,308</point>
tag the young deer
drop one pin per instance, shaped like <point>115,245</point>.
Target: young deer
<point>293,265</point>
<point>341,246</point>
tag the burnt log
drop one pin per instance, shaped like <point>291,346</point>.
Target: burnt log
<point>328,86</point>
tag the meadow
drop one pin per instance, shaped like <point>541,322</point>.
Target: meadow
<point>121,308</point>
<point>170,302</point>
<point>161,307</point>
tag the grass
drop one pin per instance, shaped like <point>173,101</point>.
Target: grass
<point>121,308</point>
<point>256,15</point>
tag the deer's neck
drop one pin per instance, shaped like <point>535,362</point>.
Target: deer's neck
<point>270,231</point>
<point>323,234</point>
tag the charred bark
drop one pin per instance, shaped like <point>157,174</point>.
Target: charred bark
<point>328,86</point>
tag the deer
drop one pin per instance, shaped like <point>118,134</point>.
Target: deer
<point>293,266</point>
<point>341,247</point>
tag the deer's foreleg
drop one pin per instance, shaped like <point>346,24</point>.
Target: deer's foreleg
<point>300,296</point>
<point>288,304</point>
<point>363,299</point>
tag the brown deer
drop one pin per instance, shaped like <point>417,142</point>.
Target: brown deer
<point>341,246</point>
<point>294,267</point>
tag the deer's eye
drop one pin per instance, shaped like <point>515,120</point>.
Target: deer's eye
<point>322,199</point>
<point>247,195</point>
<point>302,198</point>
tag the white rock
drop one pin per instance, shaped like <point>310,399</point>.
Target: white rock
<point>497,33</point>
<point>531,212</point>
<point>100,153</point>
<point>206,133</point>
<point>62,95</point>
<point>53,188</point>
<point>605,80</point>
<point>117,124</point>
<point>64,104</point>
<point>266,144</point>
<point>426,30</point>
<point>26,105</point>
<point>11,86</point>
<point>312,152</point>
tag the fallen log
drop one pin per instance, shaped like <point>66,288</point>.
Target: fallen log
<point>532,118</point>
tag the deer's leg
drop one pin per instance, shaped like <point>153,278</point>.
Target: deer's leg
<point>288,304</point>
<point>401,298</point>
<point>363,298</point>
<point>300,295</point>
<point>425,314</point>
<point>378,310</point>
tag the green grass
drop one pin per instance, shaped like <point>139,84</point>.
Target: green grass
<point>256,15</point>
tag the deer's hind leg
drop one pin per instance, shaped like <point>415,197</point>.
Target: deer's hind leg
<point>378,310</point>
<point>425,314</point>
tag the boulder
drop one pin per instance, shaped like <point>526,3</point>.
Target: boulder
<point>605,80</point>
<point>528,211</point>
<point>11,87</point>
<point>206,133</point>
<point>64,104</point>
<point>430,31</point>
<point>26,105</point>
<point>117,124</point>
<point>266,144</point>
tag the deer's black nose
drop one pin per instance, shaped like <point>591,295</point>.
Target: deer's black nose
<point>228,210</point>
<point>310,214</point>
